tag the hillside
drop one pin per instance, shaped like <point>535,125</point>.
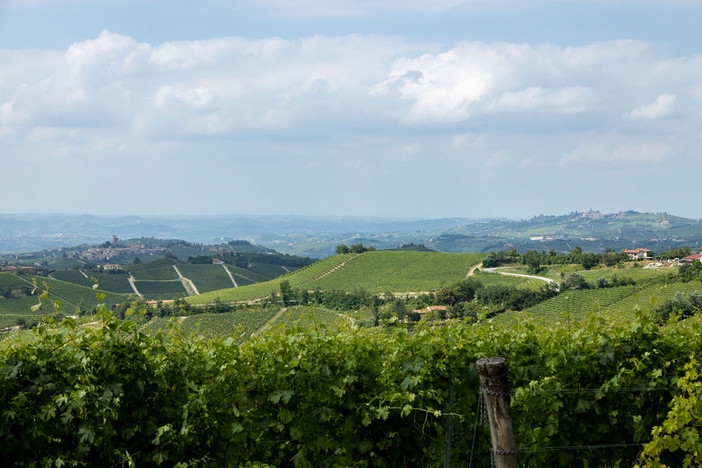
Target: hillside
<point>17,299</point>
<point>374,272</point>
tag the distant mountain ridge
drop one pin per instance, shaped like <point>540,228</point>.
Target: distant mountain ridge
<point>316,236</point>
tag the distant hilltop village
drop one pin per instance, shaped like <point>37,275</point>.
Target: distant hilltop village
<point>111,250</point>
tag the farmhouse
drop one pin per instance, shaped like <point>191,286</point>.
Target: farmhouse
<point>112,267</point>
<point>217,261</point>
<point>692,258</point>
<point>637,253</point>
<point>433,309</point>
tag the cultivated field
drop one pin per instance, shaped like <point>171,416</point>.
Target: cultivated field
<point>375,272</point>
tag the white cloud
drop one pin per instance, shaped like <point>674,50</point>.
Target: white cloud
<point>358,84</point>
<point>663,106</point>
<point>567,99</point>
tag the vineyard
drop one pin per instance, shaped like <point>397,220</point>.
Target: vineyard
<point>308,317</point>
<point>164,273</point>
<point>73,276</point>
<point>375,272</point>
<point>240,324</point>
<point>80,297</point>
<point>206,277</point>
<point>340,396</point>
<point>114,283</point>
<point>490,279</point>
<point>300,278</point>
<point>152,265</point>
<point>382,271</point>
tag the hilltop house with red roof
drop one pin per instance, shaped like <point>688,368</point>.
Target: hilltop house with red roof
<point>637,253</point>
<point>692,258</point>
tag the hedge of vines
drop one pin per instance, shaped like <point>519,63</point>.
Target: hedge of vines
<point>110,395</point>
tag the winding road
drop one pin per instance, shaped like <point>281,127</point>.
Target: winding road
<point>505,273</point>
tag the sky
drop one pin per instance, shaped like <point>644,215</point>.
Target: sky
<point>391,108</point>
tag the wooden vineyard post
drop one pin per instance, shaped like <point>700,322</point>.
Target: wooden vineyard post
<point>495,388</point>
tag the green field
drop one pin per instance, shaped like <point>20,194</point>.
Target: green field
<point>240,324</point>
<point>19,306</point>
<point>245,277</point>
<point>651,296</point>
<point>163,273</point>
<point>375,272</point>
<point>79,296</point>
<point>160,287</point>
<point>115,283</point>
<point>306,316</point>
<point>489,279</point>
<point>72,297</point>
<point>11,281</point>
<point>619,303</point>
<point>268,270</point>
<point>73,276</point>
<point>398,271</point>
<point>299,278</point>
<point>152,265</point>
<point>206,277</point>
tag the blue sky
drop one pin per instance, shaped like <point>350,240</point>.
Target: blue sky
<point>472,108</point>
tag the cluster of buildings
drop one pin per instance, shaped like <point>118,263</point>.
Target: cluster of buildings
<point>645,253</point>
<point>101,254</point>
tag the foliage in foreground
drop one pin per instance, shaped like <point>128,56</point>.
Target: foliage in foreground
<point>312,396</point>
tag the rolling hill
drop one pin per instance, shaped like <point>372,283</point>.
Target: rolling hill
<point>374,272</point>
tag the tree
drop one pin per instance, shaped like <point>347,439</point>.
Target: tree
<point>341,249</point>
<point>286,292</point>
<point>590,260</point>
<point>575,281</point>
<point>533,260</point>
<point>136,261</point>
